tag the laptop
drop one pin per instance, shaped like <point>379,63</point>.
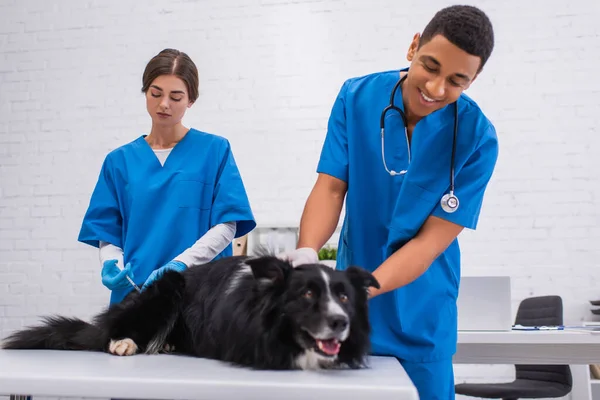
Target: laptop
<point>484,304</point>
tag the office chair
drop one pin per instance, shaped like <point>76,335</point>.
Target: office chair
<point>531,381</point>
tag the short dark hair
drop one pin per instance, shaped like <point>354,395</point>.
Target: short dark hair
<point>172,62</point>
<point>465,26</point>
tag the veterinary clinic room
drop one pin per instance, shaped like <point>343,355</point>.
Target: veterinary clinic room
<point>299,199</point>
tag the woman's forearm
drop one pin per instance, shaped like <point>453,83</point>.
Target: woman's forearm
<point>209,245</point>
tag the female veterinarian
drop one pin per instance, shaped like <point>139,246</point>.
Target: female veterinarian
<point>413,156</point>
<point>171,199</point>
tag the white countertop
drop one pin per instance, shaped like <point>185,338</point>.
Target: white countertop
<point>528,347</point>
<point>531,337</point>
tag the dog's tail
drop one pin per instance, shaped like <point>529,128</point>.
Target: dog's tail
<point>58,333</point>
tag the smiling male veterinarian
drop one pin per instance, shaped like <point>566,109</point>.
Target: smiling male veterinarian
<point>402,218</point>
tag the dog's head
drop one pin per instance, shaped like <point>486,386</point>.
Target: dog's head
<point>326,309</point>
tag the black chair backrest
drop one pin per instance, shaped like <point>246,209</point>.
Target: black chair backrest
<point>539,311</point>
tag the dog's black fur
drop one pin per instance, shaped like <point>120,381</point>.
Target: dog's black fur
<point>254,312</point>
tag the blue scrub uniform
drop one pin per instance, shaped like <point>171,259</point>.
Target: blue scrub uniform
<point>418,322</point>
<point>155,212</point>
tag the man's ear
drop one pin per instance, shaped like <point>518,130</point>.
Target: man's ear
<point>270,269</point>
<point>414,46</point>
<point>361,278</point>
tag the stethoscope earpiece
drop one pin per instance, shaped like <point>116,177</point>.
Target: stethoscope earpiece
<point>449,201</point>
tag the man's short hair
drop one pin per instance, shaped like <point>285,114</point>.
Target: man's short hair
<point>467,27</point>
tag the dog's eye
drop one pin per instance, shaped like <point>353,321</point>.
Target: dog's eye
<point>308,294</point>
<point>343,297</point>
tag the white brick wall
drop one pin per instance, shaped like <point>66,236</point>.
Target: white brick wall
<point>70,74</point>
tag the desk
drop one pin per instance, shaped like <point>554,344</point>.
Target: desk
<point>527,347</point>
<point>575,348</point>
<point>87,374</point>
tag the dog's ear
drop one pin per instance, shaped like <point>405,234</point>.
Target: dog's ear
<point>270,269</point>
<point>361,278</point>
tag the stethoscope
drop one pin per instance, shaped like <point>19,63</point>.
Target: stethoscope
<point>449,201</point>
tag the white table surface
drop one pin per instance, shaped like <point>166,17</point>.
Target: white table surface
<point>526,336</point>
<point>88,374</point>
<point>571,347</point>
<point>526,347</point>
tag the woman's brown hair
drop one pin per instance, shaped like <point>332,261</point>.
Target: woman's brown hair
<point>172,62</point>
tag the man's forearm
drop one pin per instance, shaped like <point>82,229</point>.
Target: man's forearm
<point>320,218</point>
<point>403,267</point>
<point>416,256</point>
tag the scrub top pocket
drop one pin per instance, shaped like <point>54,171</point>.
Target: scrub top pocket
<point>413,205</point>
<point>193,193</point>
<point>415,192</point>
<point>425,317</point>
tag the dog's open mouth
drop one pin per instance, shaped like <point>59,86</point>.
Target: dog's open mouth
<point>328,347</point>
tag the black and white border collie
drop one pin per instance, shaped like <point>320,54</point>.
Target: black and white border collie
<point>258,312</point>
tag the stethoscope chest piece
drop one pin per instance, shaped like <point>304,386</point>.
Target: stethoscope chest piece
<point>449,202</point>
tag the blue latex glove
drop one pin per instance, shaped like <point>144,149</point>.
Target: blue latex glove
<point>170,266</point>
<point>115,278</point>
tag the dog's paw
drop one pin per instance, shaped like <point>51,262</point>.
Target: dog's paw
<point>123,347</point>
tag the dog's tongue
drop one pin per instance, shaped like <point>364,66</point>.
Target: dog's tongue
<point>330,346</point>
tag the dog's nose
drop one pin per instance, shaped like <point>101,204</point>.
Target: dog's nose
<point>337,323</point>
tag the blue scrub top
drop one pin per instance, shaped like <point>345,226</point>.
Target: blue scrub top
<point>417,322</point>
<point>155,212</point>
